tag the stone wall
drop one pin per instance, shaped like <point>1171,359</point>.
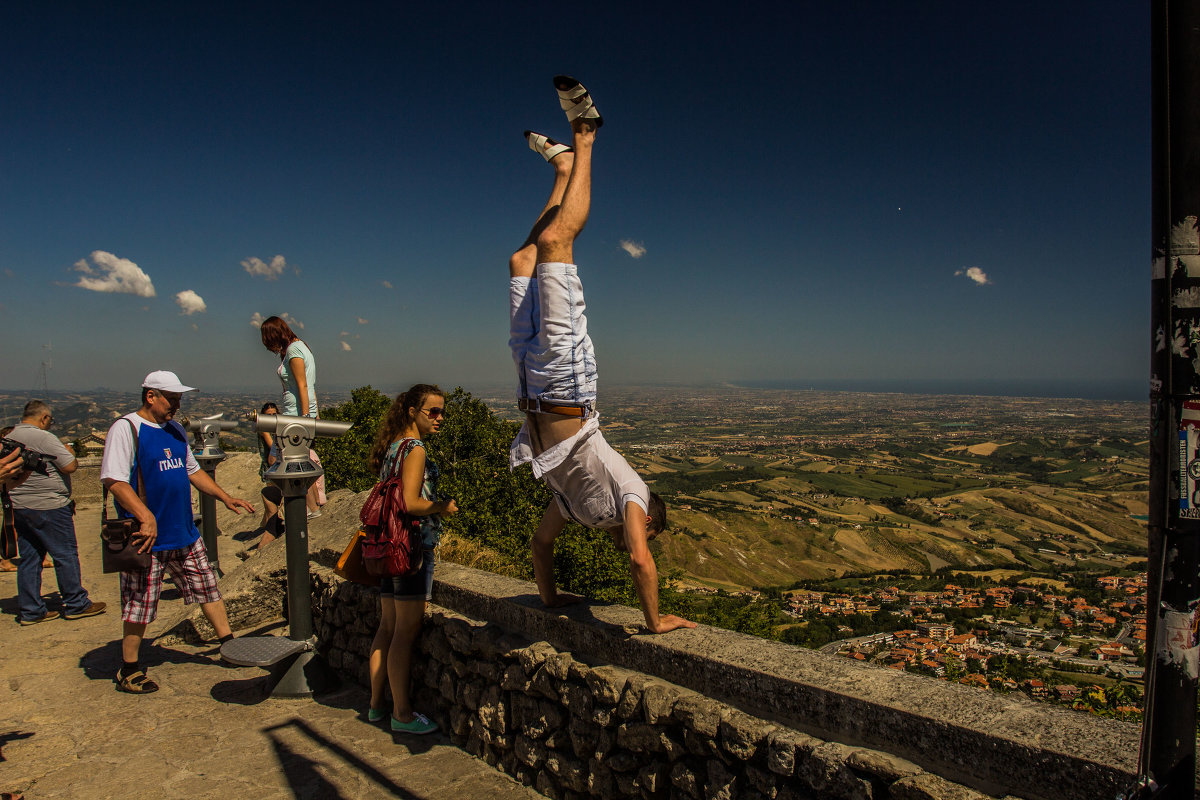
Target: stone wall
<point>578,704</point>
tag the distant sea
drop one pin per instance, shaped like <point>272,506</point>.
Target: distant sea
<point>1083,389</point>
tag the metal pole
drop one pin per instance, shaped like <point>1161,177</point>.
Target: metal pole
<point>1173,656</point>
<point>208,520</point>
<point>299,583</point>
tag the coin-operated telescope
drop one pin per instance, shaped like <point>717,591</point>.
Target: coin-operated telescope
<point>295,471</point>
<point>291,661</point>
<point>207,450</point>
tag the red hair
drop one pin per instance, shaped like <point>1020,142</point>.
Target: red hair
<point>276,335</point>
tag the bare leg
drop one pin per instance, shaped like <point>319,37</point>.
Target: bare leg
<point>523,262</point>
<point>131,640</point>
<point>554,242</point>
<point>409,615</point>
<point>377,663</point>
<point>269,510</point>
<point>215,612</point>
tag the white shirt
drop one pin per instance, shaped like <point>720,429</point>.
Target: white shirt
<point>591,481</point>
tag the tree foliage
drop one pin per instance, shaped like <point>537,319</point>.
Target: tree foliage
<point>344,459</point>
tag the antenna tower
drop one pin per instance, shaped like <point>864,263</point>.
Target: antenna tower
<point>42,387</point>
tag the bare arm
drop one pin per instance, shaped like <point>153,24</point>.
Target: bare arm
<point>130,501</point>
<point>269,441</point>
<point>69,468</point>
<point>412,474</point>
<point>645,573</point>
<point>543,557</point>
<point>296,364</point>
<point>207,485</point>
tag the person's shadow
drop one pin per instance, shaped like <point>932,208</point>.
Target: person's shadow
<point>101,663</point>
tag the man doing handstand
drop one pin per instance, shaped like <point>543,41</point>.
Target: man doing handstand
<point>556,372</point>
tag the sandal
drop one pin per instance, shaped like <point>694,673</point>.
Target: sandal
<point>546,147</point>
<point>136,683</point>
<point>576,101</point>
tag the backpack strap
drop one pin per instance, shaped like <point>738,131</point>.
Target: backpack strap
<point>137,466</point>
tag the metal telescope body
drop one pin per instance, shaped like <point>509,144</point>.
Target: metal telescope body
<point>208,453</point>
<point>291,661</point>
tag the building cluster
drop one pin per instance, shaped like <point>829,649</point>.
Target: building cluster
<point>1113,633</point>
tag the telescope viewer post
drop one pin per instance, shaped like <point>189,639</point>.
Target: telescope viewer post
<point>208,453</point>
<point>294,672</point>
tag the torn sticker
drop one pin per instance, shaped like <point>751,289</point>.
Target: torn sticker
<point>1186,298</point>
<point>1158,268</point>
<point>1185,238</point>
<point>1190,265</point>
<point>1178,643</point>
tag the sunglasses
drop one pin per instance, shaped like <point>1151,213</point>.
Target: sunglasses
<point>434,413</point>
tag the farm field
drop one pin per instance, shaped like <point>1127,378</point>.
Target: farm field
<point>768,487</point>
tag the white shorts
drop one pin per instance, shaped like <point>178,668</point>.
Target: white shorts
<point>548,337</point>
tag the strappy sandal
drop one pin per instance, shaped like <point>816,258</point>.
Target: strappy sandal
<point>576,101</point>
<point>546,147</point>
<point>136,683</point>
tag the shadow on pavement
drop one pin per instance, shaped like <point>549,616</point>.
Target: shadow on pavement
<point>102,663</point>
<point>303,775</point>
<point>13,736</point>
<point>242,692</point>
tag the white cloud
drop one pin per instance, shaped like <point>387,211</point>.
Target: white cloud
<point>635,249</point>
<point>261,269</point>
<point>195,327</point>
<point>190,303</point>
<point>975,274</point>
<point>362,321</point>
<point>386,284</point>
<point>113,274</point>
<point>257,320</point>
<point>345,345</point>
<point>344,333</point>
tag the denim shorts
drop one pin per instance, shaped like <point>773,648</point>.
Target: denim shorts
<point>549,339</point>
<point>418,586</point>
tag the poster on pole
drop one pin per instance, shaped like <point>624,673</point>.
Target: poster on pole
<point>1189,460</point>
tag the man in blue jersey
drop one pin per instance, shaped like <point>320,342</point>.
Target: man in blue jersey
<point>150,470</point>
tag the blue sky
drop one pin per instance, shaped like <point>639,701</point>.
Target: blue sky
<point>814,185</point>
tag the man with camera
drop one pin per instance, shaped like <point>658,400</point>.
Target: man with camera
<point>43,516</point>
<point>150,470</point>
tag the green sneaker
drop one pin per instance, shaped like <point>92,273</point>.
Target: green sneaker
<point>420,725</point>
<point>375,714</point>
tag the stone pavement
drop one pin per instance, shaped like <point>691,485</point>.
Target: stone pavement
<point>210,731</point>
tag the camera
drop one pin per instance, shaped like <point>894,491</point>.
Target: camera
<point>30,459</point>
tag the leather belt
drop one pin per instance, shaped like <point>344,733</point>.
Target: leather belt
<point>537,406</point>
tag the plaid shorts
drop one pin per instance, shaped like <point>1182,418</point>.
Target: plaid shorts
<point>194,577</point>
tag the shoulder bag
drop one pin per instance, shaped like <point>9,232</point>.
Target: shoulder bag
<point>119,550</point>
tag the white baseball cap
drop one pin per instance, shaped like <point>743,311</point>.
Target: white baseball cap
<point>165,381</point>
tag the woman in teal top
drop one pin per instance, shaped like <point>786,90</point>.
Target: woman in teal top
<point>297,367</point>
<point>298,373</point>
<point>399,447</point>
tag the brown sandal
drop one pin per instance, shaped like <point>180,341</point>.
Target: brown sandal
<point>136,683</point>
